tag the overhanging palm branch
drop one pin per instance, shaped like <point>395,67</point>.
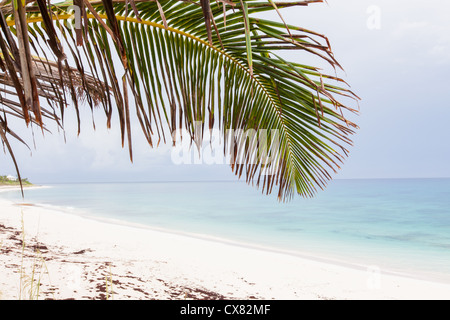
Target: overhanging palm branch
<point>183,63</point>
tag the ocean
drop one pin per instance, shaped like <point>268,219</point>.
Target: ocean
<point>399,226</point>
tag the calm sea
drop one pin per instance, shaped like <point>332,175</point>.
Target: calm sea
<point>400,226</point>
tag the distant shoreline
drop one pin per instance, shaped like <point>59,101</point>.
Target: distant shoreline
<point>6,188</point>
<point>231,181</point>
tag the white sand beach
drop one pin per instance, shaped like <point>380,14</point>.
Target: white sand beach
<point>80,258</point>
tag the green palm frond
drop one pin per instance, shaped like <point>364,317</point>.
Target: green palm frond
<point>184,63</point>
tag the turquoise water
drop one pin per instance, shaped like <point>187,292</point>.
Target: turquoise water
<point>397,225</point>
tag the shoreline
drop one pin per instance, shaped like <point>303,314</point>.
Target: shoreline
<point>221,240</point>
<point>180,266</point>
<point>309,255</point>
<point>251,246</point>
<point>8,188</point>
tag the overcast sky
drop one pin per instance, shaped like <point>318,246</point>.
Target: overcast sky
<point>396,56</point>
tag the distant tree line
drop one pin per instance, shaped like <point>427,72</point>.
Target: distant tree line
<point>7,180</point>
